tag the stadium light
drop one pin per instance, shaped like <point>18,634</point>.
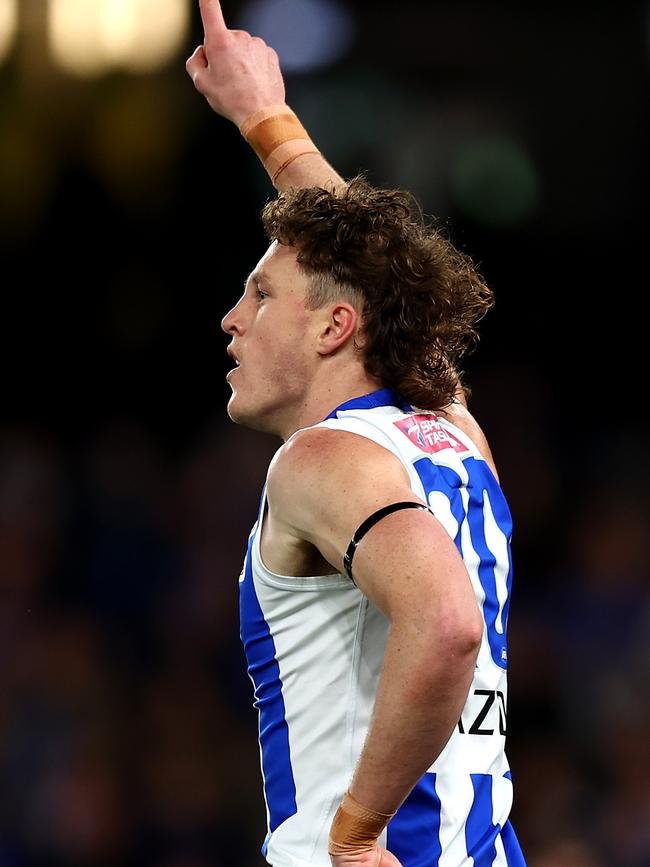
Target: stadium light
<point>307,34</point>
<point>74,32</point>
<point>159,30</point>
<point>88,37</point>
<point>8,26</point>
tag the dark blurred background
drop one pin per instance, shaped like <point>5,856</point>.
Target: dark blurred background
<point>129,219</point>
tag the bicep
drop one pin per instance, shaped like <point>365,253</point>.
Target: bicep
<point>408,566</point>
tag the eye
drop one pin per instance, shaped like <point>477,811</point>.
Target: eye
<point>261,295</point>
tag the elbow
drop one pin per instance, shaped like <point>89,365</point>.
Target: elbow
<point>474,629</point>
<point>443,660</point>
<point>462,636</point>
<point>453,634</point>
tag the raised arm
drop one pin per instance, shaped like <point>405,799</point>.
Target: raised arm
<point>240,77</point>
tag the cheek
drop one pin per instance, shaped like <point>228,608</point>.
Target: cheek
<point>286,362</point>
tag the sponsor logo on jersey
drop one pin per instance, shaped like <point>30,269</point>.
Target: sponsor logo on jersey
<point>426,432</point>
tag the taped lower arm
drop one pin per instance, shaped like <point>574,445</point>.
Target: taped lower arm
<point>355,828</point>
<point>277,137</point>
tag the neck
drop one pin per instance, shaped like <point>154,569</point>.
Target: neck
<point>324,397</point>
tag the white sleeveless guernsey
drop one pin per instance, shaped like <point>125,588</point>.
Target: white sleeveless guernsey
<point>315,648</point>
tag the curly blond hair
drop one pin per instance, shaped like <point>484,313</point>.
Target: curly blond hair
<point>419,297</point>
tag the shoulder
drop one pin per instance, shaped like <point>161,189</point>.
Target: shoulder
<point>326,459</point>
<point>323,484</point>
<point>458,414</point>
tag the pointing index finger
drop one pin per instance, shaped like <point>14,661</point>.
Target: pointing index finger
<point>214,24</point>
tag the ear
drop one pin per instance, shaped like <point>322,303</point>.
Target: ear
<point>337,326</point>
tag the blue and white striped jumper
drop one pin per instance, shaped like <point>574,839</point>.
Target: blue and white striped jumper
<point>315,648</point>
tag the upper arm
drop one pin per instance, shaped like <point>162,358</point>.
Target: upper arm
<point>323,484</point>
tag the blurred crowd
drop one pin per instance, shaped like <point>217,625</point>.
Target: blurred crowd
<point>127,734</point>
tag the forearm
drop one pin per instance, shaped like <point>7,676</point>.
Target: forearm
<point>286,151</point>
<point>309,170</point>
<point>421,694</point>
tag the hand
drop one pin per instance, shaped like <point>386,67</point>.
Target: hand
<point>376,857</point>
<point>237,73</point>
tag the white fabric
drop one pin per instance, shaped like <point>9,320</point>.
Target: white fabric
<point>330,642</point>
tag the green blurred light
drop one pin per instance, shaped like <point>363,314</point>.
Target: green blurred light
<point>494,181</point>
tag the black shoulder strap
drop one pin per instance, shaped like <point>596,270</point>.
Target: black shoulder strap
<point>370,522</point>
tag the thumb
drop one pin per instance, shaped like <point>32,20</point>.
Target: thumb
<point>388,859</point>
<point>196,63</point>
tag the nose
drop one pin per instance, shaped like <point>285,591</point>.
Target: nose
<point>231,322</point>
<point>226,322</point>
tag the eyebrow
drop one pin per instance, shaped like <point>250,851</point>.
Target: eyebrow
<point>256,276</point>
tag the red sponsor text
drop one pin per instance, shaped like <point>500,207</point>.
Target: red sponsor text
<point>426,432</point>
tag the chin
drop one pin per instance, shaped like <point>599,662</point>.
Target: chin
<point>247,416</point>
<point>236,412</point>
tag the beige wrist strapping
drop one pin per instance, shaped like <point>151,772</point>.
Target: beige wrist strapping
<point>277,137</point>
<point>355,828</point>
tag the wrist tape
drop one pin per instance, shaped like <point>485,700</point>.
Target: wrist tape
<point>355,828</point>
<point>277,137</point>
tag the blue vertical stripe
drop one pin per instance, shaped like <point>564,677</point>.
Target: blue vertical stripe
<point>514,855</point>
<point>443,479</point>
<point>481,484</point>
<point>279,784</point>
<point>480,832</point>
<point>413,834</point>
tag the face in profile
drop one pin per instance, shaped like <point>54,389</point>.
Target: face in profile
<point>272,341</point>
